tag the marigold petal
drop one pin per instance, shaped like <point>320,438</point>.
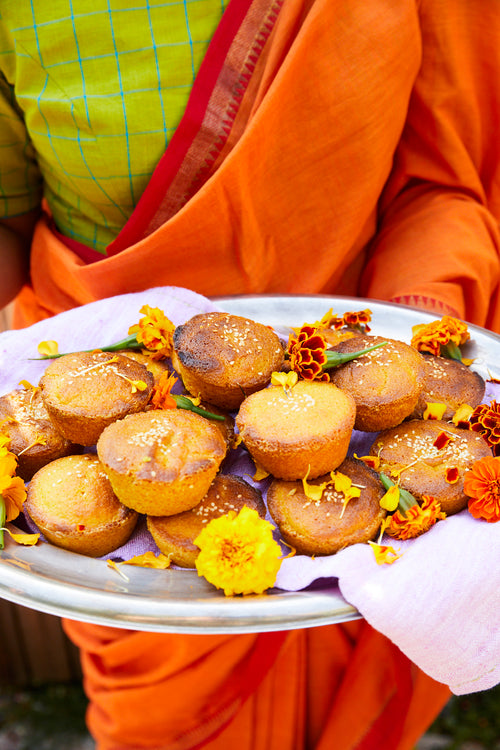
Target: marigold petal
<point>384,554</point>
<point>390,500</point>
<point>434,411</point>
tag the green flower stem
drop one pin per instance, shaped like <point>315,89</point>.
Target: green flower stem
<point>3,516</point>
<point>334,359</point>
<point>130,342</point>
<point>451,351</point>
<point>185,403</point>
<point>406,499</point>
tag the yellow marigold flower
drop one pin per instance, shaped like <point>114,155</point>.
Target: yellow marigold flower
<point>154,331</point>
<point>238,553</point>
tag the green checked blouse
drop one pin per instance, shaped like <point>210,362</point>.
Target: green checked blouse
<point>91,91</point>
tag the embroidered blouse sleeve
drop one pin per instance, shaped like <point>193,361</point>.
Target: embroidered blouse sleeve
<point>438,238</point>
<point>20,179</point>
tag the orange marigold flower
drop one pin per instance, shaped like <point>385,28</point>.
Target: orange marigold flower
<point>358,320</point>
<point>457,330</point>
<point>482,485</point>
<point>417,520</point>
<point>486,421</point>
<point>307,355</point>
<point>435,337</point>
<point>161,396</point>
<point>155,332</point>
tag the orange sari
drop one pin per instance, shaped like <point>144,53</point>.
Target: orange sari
<point>337,144</point>
<point>354,151</point>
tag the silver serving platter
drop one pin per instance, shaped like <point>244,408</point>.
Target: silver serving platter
<point>51,580</point>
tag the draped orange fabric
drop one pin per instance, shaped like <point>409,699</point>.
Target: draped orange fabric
<point>350,101</point>
<point>367,164</point>
<point>342,686</point>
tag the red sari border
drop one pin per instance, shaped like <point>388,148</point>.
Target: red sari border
<point>206,124</point>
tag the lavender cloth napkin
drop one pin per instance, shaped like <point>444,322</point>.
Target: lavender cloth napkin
<point>439,602</point>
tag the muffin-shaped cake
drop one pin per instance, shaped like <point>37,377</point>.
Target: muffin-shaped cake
<point>161,462</point>
<point>72,503</point>
<point>86,391</point>
<point>385,383</point>
<point>449,382</point>
<point>222,358</point>
<point>327,525</point>
<point>430,457</point>
<point>34,438</point>
<point>304,431</point>
<point>175,535</point>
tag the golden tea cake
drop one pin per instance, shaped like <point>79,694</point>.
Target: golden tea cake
<point>222,358</point>
<point>430,457</point>
<point>449,382</point>
<point>326,525</point>
<point>385,383</point>
<point>72,503</point>
<point>86,391</point>
<point>161,462</point>
<point>304,431</point>
<point>34,438</point>
<point>175,535</point>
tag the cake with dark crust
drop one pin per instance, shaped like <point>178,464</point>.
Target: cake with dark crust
<point>222,358</point>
